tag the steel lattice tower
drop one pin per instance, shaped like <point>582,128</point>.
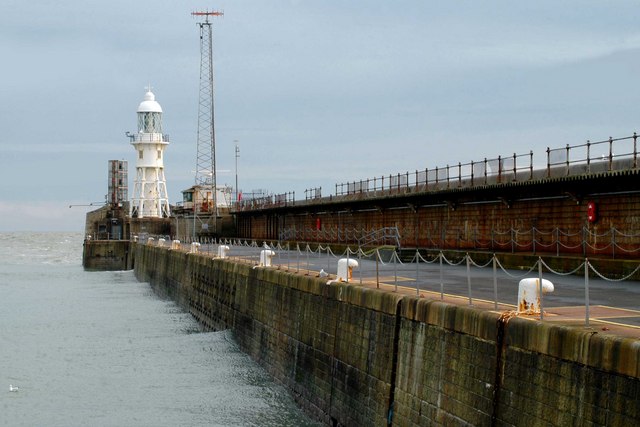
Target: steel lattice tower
<point>206,150</point>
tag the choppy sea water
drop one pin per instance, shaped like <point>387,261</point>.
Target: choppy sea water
<point>101,349</point>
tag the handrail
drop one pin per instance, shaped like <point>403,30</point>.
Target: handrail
<point>612,154</point>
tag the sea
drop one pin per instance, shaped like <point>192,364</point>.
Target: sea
<point>84,348</point>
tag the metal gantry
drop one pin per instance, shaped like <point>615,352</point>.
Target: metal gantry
<point>205,175</point>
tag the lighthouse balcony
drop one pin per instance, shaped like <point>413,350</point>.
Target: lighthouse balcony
<point>150,137</point>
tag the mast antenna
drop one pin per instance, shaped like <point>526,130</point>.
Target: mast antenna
<point>206,149</point>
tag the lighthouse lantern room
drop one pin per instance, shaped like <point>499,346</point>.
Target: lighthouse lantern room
<point>149,197</point>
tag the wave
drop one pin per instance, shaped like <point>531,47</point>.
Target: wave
<point>54,248</point>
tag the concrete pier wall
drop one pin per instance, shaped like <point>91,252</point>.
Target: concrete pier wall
<point>107,255</point>
<point>351,355</point>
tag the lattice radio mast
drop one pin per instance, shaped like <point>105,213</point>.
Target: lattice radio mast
<point>206,151</point>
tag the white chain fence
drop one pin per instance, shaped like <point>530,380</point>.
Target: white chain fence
<point>322,262</point>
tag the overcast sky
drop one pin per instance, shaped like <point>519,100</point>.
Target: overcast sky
<point>315,92</point>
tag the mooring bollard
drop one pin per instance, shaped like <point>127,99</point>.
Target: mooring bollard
<point>529,297</point>
<point>345,269</point>
<point>265,257</point>
<point>222,251</point>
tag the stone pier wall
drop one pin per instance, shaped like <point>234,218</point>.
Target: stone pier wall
<point>356,356</point>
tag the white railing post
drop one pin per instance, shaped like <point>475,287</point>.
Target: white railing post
<point>441,256</point>
<point>417,272</point>
<point>469,278</point>
<point>540,287</point>
<point>586,292</point>
<point>395,271</point>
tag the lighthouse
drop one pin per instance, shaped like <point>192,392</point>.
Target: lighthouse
<point>149,199</point>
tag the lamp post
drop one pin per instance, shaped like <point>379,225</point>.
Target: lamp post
<point>237,155</point>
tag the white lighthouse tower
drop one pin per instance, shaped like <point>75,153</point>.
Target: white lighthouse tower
<point>149,197</point>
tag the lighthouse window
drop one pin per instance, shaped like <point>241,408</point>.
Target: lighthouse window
<point>140,154</point>
<point>159,154</point>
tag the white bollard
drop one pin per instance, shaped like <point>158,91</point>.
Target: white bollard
<point>194,247</point>
<point>529,294</point>
<point>222,251</point>
<point>265,257</point>
<point>161,243</point>
<point>175,245</point>
<point>345,272</point>
<point>150,241</point>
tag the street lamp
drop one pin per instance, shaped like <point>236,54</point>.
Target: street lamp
<point>237,155</point>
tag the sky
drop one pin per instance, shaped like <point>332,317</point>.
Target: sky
<point>315,93</point>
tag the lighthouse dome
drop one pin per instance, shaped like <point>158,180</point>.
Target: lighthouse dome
<point>149,104</point>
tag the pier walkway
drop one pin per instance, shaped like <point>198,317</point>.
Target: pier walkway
<point>598,304</point>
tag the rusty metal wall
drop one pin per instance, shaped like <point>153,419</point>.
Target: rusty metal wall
<point>547,217</point>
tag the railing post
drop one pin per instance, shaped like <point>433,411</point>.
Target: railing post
<point>567,161</point>
<point>610,153</point>
<point>448,182</point>
<point>328,259</point>
<point>472,173</point>
<point>469,278</point>
<point>499,179</point>
<point>588,156</point>
<point>459,174</point>
<point>586,292</point>
<point>533,239</point>
<point>360,265</point>
<point>515,168</point>
<point>613,243</point>
<point>635,152</point>
<point>347,264</point>
<point>548,162</point>
<point>495,283</point>
<point>417,271</point>
<point>513,240</point>
<point>307,250</point>
<point>530,165</point>
<point>395,270</point>
<point>486,166</point>
<point>492,239</point>
<point>540,287</point>
<point>441,255</point>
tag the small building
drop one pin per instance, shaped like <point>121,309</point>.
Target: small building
<point>201,196</point>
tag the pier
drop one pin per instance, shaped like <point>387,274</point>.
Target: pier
<point>363,354</point>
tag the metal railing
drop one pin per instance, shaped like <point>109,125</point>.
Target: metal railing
<point>363,236</point>
<point>600,156</point>
<point>273,200</point>
<point>592,157</point>
<point>489,171</point>
<point>584,241</point>
<point>382,236</point>
<point>612,154</point>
